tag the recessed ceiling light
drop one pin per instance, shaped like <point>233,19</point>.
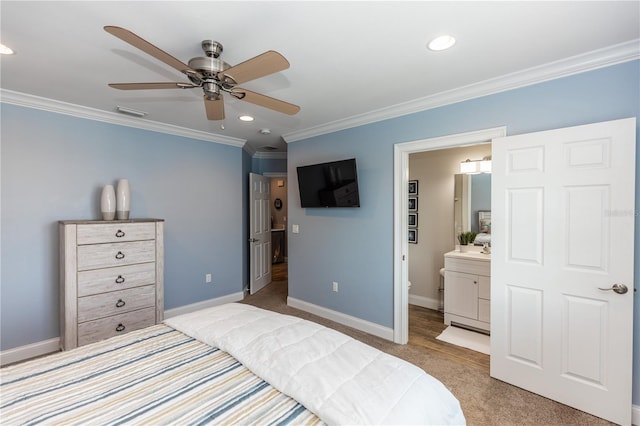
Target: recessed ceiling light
<point>245,118</point>
<point>5,50</point>
<point>441,43</point>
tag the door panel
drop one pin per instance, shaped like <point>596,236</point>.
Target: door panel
<point>260,232</point>
<point>524,328</point>
<point>525,220</point>
<point>563,230</point>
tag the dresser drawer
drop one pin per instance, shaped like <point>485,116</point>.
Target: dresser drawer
<point>115,232</point>
<point>478,267</point>
<point>106,255</point>
<point>97,281</point>
<point>104,328</point>
<point>116,302</point>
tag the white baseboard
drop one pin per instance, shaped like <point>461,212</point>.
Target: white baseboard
<point>339,317</point>
<point>635,415</point>
<point>425,302</point>
<point>234,297</point>
<point>53,345</point>
<point>31,350</point>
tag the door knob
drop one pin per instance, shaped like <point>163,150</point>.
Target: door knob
<point>618,288</point>
<point>253,240</point>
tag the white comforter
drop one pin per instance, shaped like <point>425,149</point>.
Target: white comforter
<point>341,380</point>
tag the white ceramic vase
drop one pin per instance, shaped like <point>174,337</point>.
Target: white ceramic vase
<point>108,203</point>
<point>123,199</point>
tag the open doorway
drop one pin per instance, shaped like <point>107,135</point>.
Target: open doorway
<point>401,213</point>
<point>278,211</point>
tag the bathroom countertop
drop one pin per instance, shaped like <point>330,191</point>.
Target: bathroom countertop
<point>471,255</point>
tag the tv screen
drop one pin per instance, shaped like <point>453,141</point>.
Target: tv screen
<point>333,184</point>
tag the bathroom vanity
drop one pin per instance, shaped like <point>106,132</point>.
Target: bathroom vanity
<point>467,289</point>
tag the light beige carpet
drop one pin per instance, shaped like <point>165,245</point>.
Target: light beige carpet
<point>467,339</point>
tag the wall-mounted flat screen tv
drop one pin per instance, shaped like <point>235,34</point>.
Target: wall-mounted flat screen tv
<point>333,184</point>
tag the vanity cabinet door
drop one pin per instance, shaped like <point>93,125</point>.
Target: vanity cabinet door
<point>461,294</point>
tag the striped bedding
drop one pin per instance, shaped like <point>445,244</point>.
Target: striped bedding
<point>152,376</point>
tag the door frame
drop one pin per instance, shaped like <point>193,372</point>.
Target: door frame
<point>401,153</point>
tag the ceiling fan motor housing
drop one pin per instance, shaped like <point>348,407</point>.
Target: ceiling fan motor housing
<point>211,48</point>
<point>208,67</point>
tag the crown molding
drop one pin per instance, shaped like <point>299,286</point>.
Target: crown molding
<point>37,102</point>
<point>612,55</point>
<point>249,149</point>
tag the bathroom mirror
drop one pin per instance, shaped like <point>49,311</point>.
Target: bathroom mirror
<point>471,201</point>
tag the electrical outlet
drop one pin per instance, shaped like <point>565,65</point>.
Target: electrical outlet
<point>335,286</point>
<point>207,278</point>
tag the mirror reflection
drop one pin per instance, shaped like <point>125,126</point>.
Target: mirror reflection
<point>472,205</point>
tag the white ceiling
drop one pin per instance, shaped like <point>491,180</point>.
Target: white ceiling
<point>349,60</point>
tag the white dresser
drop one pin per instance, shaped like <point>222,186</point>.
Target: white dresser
<point>111,278</point>
<point>467,289</point>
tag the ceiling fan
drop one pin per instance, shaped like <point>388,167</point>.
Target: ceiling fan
<point>213,75</point>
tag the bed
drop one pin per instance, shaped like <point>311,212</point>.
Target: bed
<point>231,364</point>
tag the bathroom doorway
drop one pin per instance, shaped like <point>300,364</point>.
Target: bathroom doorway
<point>402,154</point>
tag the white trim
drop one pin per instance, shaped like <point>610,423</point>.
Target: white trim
<point>339,317</point>
<point>233,297</point>
<point>635,415</point>
<point>425,302</point>
<point>401,153</point>
<point>32,350</point>
<point>612,55</point>
<point>249,149</point>
<point>37,102</point>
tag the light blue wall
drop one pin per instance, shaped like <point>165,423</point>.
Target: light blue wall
<point>269,165</point>
<point>355,246</point>
<point>480,197</point>
<point>53,168</point>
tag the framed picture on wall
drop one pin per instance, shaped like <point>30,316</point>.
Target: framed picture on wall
<point>413,236</point>
<point>413,204</point>
<point>413,220</point>
<point>484,221</point>
<point>413,187</point>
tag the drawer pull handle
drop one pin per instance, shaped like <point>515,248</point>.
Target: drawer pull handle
<point>120,255</point>
<point>119,233</point>
<point>120,303</point>
<point>120,327</point>
<point>120,279</point>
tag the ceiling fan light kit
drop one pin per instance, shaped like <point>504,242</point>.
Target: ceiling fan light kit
<point>212,74</point>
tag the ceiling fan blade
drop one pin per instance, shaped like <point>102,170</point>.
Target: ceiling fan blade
<point>136,41</point>
<point>264,64</point>
<point>214,108</point>
<point>145,86</point>
<point>265,101</point>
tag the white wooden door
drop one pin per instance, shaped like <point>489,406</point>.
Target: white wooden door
<point>259,232</point>
<point>563,230</point>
